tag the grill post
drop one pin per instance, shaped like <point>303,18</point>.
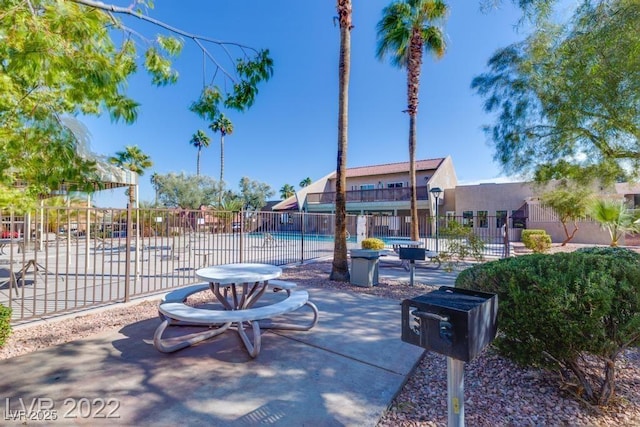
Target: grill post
<point>457,323</point>
<point>455,392</point>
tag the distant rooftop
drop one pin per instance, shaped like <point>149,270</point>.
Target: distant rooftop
<point>388,168</point>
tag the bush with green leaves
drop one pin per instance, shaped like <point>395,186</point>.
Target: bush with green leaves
<point>558,311</point>
<point>372,243</point>
<point>459,243</point>
<point>5,324</point>
<point>534,243</point>
<point>614,251</point>
<point>540,243</point>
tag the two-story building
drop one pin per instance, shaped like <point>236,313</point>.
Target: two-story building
<point>378,190</point>
<point>383,191</point>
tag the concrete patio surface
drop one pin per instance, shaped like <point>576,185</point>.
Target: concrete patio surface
<point>343,372</point>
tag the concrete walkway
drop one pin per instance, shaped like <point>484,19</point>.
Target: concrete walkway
<point>343,372</point>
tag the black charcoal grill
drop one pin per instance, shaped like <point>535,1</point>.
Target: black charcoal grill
<point>458,323</point>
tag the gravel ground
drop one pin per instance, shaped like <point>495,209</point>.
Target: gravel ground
<point>498,393</point>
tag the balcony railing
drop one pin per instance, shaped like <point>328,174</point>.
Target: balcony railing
<point>374,195</point>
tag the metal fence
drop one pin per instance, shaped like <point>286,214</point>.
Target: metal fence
<point>57,260</point>
<point>494,232</point>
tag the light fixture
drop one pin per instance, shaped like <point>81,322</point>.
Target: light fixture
<point>436,192</point>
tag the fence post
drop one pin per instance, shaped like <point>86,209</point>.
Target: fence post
<point>241,232</point>
<point>505,236</point>
<point>302,231</point>
<point>127,256</point>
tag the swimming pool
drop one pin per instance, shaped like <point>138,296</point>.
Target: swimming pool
<point>307,237</point>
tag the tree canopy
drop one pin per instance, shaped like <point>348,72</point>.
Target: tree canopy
<point>192,191</point>
<point>133,159</point>
<point>199,140</point>
<point>59,59</point>
<point>254,194</point>
<point>286,191</point>
<point>567,99</point>
<point>571,204</point>
<point>186,191</point>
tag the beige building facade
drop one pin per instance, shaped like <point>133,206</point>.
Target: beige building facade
<point>383,190</point>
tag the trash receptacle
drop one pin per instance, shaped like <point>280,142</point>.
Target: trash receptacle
<point>364,267</point>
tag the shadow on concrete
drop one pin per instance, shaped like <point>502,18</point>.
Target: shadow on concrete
<point>343,372</point>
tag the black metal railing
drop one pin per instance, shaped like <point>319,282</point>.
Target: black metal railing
<point>61,259</point>
<point>373,195</point>
<point>450,233</point>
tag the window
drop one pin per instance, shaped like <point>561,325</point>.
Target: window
<point>367,187</point>
<point>483,219</point>
<point>394,185</point>
<point>501,218</point>
<point>518,219</point>
<point>467,218</point>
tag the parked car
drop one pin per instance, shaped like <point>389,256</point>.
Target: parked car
<point>6,234</point>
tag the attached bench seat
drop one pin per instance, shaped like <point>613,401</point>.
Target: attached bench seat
<point>199,316</point>
<point>181,294</point>
<point>281,285</point>
<point>218,321</point>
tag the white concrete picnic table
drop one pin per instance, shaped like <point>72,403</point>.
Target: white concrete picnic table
<point>246,282</point>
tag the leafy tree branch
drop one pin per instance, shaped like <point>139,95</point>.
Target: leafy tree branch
<point>59,59</point>
<point>569,95</point>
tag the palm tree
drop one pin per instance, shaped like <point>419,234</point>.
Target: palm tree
<point>59,217</point>
<point>614,216</point>
<point>154,181</point>
<point>404,33</point>
<point>199,140</point>
<point>133,159</point>
<point>287,191</point>
<point>340,265</point>
<point>305,182</point>
<point>223,125</point>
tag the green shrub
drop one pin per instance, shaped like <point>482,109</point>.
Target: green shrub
<point>540,243</point>
<point>372,243</point>
<point>614,251</point>
<point>462,245</point>
<point>527,237</point>
<point>556,309</point>
<point>5,324</point>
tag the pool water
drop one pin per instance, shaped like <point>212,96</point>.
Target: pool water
<point>307,237</point>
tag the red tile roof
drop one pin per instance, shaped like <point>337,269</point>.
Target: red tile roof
<point>402,167</point>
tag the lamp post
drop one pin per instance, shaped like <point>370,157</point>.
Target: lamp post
<point>436,192</point>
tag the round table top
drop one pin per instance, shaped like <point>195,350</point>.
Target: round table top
<point>238,273</point>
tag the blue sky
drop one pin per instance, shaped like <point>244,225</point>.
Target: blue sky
<point>291,131</point>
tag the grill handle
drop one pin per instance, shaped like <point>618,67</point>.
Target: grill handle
<point>445,327</point>
<point>427,315</point>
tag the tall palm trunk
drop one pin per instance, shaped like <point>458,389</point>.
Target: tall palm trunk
<point>132,195</point>
<point>340,266</point>
<point>221,168</point>
<point>413,84</point>
<point>198,162</point>
<point>414,230</point>
<point>221,157</point>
